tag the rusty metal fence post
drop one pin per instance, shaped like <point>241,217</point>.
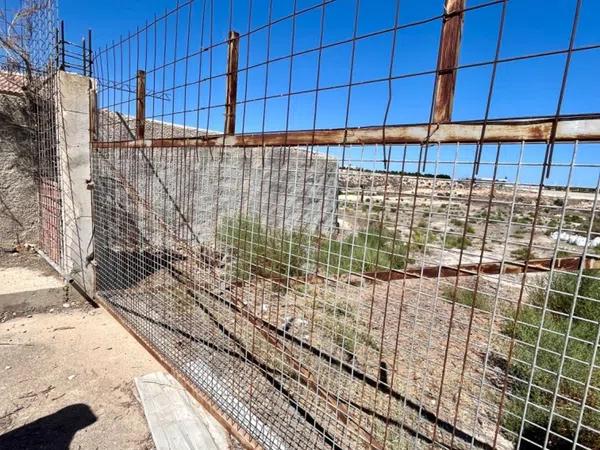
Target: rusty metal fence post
<point>232,81</point>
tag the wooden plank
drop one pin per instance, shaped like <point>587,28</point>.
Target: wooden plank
<point>232,81</point>
<point>448,60</point>
<point>175,419</point>
<point>140,105</point>
<point>516,131</point>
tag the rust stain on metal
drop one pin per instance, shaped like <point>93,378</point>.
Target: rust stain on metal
<point>515,131</point>
<point>140,105</point>
<point>232,77</point>
<point>491,268</point>
<point>448,60</point>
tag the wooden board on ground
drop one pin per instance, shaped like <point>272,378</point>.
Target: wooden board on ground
<point>176,420</point>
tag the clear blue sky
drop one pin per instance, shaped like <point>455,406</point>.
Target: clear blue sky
<point>522,88</point>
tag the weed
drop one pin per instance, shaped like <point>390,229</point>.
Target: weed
<point>522,253</point>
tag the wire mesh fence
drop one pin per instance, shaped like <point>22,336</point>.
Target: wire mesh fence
<point>28,92</point>
<point>341,246</point>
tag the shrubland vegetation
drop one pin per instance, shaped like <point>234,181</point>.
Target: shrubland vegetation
<point>270,252</point>
<point>570,326</point>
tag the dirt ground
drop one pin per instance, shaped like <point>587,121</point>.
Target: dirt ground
<point>67,382</point>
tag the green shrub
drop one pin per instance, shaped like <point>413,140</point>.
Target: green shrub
<point>420,239</point>
<point>457,222</point>
<point>469,298</point>
<point>362,251</point>
<point>544,370</point>
<point>523,219</point>
<point>271,252</point>
<point>522,253</point>
<point>453,241</point>
<point>264,251</point>
<point>574,218</point>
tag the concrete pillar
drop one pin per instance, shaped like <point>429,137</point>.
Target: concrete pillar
<point>73,126</point>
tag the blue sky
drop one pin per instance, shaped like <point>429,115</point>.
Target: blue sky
<point>523,88</point>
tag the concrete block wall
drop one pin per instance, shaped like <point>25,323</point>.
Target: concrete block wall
<point>146,196</point>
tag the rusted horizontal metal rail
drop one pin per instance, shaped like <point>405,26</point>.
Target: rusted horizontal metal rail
<point>516,131</point>
<point>490,268</point>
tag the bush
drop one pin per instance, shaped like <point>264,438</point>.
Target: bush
<point>270,252</point>
<point>262,251</point>
<point>544,370</point>
<point>461,223</point>
<point>452,241</point>
<point>362,251</point>
<point>522,253</point>
<point>420,240</point>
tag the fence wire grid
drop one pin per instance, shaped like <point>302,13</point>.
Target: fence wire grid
<point>28,96</point>
<point>354,224</point>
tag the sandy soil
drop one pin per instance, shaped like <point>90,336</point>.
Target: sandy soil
<point>67,382</point>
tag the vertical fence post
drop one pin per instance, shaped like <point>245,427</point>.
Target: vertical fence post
<point>57,47</point>
<point>232,75</point>
<point>448,60</point>
<point>84,57</point>
<point>90,57</point>
<point>93,112</point>
<point>140,106</point>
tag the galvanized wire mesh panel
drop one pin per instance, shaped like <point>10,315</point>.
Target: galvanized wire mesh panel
<point>397,286</point>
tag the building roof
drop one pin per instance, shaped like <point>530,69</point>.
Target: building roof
<point>113,126</point>
<point>11,83</point>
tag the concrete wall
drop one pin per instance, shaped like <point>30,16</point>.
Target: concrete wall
<point>19,215</point>
<point>148,196</point>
